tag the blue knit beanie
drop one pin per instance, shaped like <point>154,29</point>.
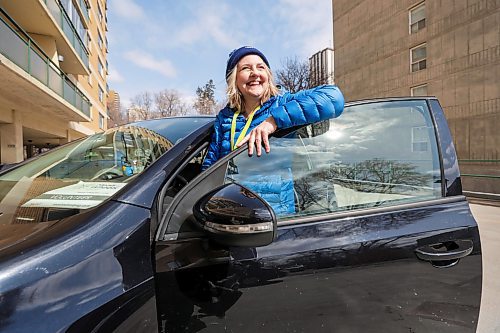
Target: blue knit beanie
<point>237,54</point>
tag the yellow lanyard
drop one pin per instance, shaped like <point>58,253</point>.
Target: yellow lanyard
<point>243,131</point>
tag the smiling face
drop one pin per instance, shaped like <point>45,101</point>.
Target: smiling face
<point>252,78</point>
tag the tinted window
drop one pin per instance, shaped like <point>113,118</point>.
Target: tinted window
<point>375,154</point>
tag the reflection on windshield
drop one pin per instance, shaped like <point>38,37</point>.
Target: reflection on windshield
<point>114,154</point>
<point>77,176</point>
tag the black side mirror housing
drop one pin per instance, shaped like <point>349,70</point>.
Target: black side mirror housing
<point>235,216</point>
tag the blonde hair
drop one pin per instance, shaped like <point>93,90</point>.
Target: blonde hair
<point>234,96</point>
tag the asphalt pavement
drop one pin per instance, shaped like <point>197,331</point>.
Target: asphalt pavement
<point>487,215</point>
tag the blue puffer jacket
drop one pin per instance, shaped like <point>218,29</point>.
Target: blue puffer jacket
<point>288,110</point>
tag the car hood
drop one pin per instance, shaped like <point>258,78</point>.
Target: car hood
<point>12,234</point>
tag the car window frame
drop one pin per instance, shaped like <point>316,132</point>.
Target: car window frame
<point>432,154</point>
<point>166,216</point>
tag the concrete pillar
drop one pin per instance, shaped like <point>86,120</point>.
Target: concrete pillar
<point>11,140</point>
<point>67,139</point>
<point>29,151</point>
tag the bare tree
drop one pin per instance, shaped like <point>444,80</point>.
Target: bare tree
<point>143,105</point>
<point>294,75</point>
<point>383,176</point>
<point>168,103</point>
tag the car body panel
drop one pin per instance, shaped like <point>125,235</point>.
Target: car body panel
<point>349,274</point>
<point>351,271</point>
<point>91,271</point>
<point>76,267</point>
<point>101,269</point>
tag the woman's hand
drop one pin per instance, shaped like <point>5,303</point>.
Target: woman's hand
<point>259,137</point>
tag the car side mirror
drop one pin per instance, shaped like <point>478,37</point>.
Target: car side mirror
<point>235,216</point>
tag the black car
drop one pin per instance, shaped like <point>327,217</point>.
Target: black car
<point>122,231</point>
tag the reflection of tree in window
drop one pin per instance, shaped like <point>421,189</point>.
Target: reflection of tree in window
<point>229,208</point>
<point>371,176</point>
<point>382,176</point>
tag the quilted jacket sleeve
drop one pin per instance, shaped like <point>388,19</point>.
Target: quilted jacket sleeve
<point>308,106</point>
<point>214,148</point>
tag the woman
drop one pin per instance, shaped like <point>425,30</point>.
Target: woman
<point>256,108</point>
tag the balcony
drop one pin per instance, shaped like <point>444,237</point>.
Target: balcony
<point>84,10</point>
<point>31,80</point>
<point>78,13</point>
<point>47,17</point>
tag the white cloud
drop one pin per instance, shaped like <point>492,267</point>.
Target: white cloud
<point>309,22</point>
<point>188,41</point>
<point>147,61</point>
<point>115,76</point>
<point>127,9</point>
<point>209,22</point>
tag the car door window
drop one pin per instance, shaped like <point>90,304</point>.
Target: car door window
<point>375,154</point>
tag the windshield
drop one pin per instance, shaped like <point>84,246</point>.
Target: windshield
<point>84,173</point>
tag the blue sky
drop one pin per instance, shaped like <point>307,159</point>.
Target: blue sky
<point>181,44</point>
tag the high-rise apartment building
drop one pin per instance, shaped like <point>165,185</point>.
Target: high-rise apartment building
<point>114,109</point>
<point>321,67</point>
<point>445,48</point>
<point>53,68</point>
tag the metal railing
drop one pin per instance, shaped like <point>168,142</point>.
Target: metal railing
<point>25,53</point>
<point>64,22</point>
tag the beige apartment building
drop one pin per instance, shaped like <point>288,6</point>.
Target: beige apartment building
<point>444,48</point>
<point>53,72</point>
<point>114,109</point>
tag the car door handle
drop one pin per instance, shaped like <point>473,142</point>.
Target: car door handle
<point>450,250</point>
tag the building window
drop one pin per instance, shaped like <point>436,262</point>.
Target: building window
<point>89,43</point>
<point>101,121</point>
<point>419,139</point>
<point>419,90</point>
<point>74,17</point>
<point>99,40</point>
<point>89,78</point>
<point>101,95</point>
<point>101,68</point>
<point>99,12</point>
<point>418,58</point>
<point>417,18</point>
